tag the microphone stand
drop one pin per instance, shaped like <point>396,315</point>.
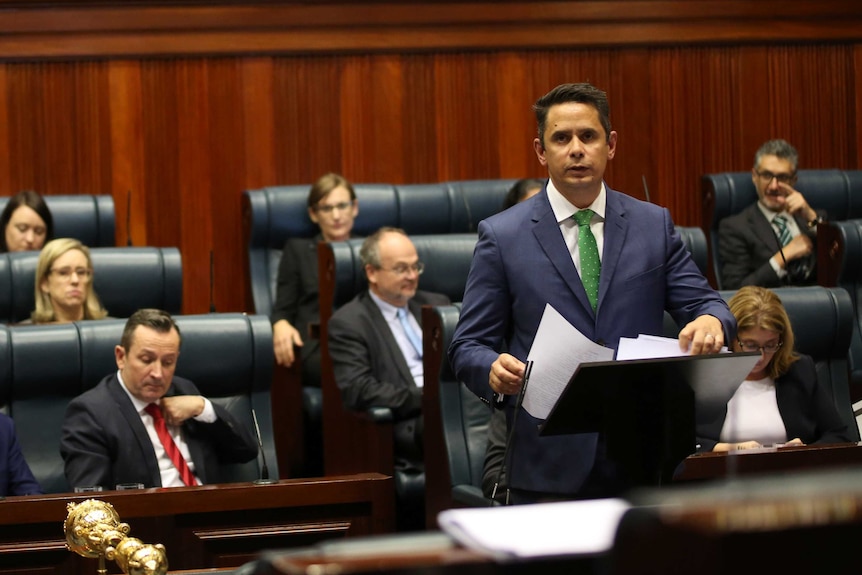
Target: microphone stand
<point>264,470</point>
<point>527,370</point>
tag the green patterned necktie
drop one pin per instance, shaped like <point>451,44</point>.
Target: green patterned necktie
<point>780,222</point>
<point>591,266</point>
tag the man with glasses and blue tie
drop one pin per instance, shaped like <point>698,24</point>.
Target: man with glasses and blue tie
<point>771,242</point>
<point>375,340</point>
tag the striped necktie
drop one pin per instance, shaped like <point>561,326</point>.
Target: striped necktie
<point>591,266</point>
<point>168,443</point>
<point>780,222</point>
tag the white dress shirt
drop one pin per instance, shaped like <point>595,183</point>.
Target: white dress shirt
<point>168,471</point>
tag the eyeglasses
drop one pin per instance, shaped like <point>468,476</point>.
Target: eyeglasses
<point>65,274</point>
<point>328,209</point>
<point>404,269</point>
<point>752,346</point>
<point>782,178</point>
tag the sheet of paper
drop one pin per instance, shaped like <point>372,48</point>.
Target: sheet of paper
<point>557,351</point>
<point>644,346</point>
<point>647,346</point>
<point>542,529</point>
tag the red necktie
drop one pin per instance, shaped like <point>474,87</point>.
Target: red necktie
<point>168,442</point>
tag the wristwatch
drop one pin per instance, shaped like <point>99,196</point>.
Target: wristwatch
<point>813,223</point>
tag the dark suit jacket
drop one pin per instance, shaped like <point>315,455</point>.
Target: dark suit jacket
<point>297,299</point>
<point>370,369</point>
<point>805,407</point>
<point>104,441</point>
<point>15,475</point>
<point>521,263</point>
<point>746,242</point>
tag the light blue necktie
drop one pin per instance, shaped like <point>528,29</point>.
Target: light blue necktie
<point>415,338</point>
<point>780,222</point>
<point>591,265</point>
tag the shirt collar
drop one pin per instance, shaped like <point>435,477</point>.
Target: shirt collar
<point>563,208</point>
<point>769,214</point>
<point>387,309</point>
<point>139,405</point>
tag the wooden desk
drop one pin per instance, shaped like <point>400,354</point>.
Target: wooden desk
<point>211,526</point>
<point>420,554</point>
<point>717,465</point>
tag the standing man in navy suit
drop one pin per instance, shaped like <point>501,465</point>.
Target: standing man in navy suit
<point>529,256</point>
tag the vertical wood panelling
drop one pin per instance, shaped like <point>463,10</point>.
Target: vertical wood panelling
<point>308,118</point>
<point>195,124</point>
<point>187,136</point>
<point>856,94</point>
<point>5,136</point>
<point>258,122</point>
<point>127,161</point>
<point>516,125</point>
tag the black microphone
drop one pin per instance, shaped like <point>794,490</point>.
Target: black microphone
<point>212,282</point>
<point>527,369</point>
<point>264,470</point>
<point>796,271</point>
<point>129,218</point>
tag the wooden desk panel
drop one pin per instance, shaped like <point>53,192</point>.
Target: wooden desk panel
<point>719,465</point>
<point>212,526</point>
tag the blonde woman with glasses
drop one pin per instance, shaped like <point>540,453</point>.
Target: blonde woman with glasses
<point>781,401</point>
<point>64,284</point>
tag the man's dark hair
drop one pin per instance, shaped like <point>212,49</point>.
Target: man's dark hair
<point>155,319</point>
<point>32,200</point>
<point>582,93</point>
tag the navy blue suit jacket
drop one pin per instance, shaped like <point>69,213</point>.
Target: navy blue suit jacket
<point>15,475</point>
<point>521,263</point>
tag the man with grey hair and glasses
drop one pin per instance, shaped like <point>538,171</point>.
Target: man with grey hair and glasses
<point>375,341</point>
<point>771,242</point>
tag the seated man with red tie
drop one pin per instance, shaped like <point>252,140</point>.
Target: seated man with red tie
<point>143,425</point>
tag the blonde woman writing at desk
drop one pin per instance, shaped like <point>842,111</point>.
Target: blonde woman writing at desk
<point>781,400</point>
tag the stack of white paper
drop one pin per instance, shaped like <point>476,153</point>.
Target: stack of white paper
<point>544,529</point>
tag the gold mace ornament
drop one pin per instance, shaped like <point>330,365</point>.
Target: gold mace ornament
<point>93,530</point>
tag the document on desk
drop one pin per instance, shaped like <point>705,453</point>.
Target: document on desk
<point>543,529</point>
<point>557,351</point>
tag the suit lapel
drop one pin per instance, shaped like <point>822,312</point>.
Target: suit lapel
<point>547,233</point>
<point>133,418</point>
<point>388,340</point>
<point>616,228</point>
<point>762,228</point>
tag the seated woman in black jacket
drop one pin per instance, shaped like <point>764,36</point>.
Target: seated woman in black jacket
<point>332,206</point>
<point>781,400</point>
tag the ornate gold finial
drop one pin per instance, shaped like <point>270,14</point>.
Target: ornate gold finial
<point>93,530</point>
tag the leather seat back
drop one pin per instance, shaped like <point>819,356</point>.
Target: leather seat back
<point>125,279</point>
<point>85,217</point>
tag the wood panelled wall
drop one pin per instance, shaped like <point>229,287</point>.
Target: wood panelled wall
<point>182,117</point>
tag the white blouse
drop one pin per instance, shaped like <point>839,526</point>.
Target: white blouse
<point>752,414</point>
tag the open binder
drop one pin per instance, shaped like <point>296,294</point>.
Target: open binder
<point>646,409</point>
